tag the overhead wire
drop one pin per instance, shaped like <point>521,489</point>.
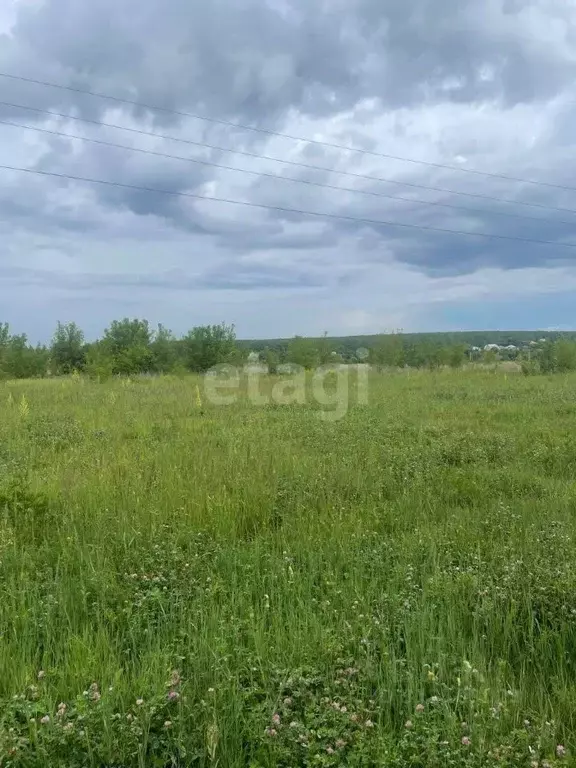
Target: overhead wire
<point>292,163</point>
<point>276,177</point>
<point>282,209</point>
<point>270,132</point>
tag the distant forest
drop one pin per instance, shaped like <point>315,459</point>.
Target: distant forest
<point>347,345</point>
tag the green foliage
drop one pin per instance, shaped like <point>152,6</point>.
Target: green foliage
<point>565,355</point>
<point>18,359</point>
<point>303,352</point>
<point>397,351</point>
<point>99,364</point>
<point>456,356</point>
<point>325,350</point>
<point>489,356</point>
<point>557,356</point>
<point>128,345</point>
<point>347,346</point>
<point>4,342</point>
<point>388,351</point>
<point>272,360</point>
<point>164,350</point>
<point>37,733</point>
<point>530,367</point>
<point>547,359</point>
<point>209,345</point>
<point>127,334</point>
<point>55,433</point>
<point>29,514</point>
<point>68,352</point>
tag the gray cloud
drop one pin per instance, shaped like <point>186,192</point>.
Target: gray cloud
<point>254,58</point>
<point>249,277</point>
<point>486,86</point>
<point>224,276</point>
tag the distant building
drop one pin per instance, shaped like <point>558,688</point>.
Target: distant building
<point>288,368</point>
<point>256,368</point>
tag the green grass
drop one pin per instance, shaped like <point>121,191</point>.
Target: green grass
<point>315,584</point>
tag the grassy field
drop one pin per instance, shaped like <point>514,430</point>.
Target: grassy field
<point>185,584</point>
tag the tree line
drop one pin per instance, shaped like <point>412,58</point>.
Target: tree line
<point>132,347</point>
<point>346,346</point>
<point>127,347</point>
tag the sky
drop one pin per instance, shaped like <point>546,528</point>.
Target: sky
<point>484,89</point>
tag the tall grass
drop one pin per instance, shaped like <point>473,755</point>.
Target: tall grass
<point>252,586</point>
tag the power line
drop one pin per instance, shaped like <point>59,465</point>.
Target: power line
<point>262,174</point>
<point>294,163</point>
<point>270,132</point>
<point>282,209</point>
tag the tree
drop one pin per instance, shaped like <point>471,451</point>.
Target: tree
<point>303,352</point>
<point>411,355</point>
<point>4,341</point>
<point>324,350</point>
<point>435,356</point>
<point>128,344</point>
<point>547,358</point>
<point>208,345</point>
<point>22,361</point>
<point>4,335</point>
<point>490,356</point>
<point>457,355</point>
<point>272,360</point>
<point>68,351</point>
<point>99,362</point>
<point>18,359</point>
<point>164,350</point>
<point>565,355</point>
<point>38,360</point>
<point>388,351</point>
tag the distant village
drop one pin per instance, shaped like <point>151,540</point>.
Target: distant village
<point>283,359</point>
<point>506,351</point>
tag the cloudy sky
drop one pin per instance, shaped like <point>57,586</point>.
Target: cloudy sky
<point>485,86</point>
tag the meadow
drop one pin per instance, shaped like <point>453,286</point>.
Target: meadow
<point>187,584</point>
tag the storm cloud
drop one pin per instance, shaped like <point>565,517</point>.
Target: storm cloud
<point>465,86</point>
